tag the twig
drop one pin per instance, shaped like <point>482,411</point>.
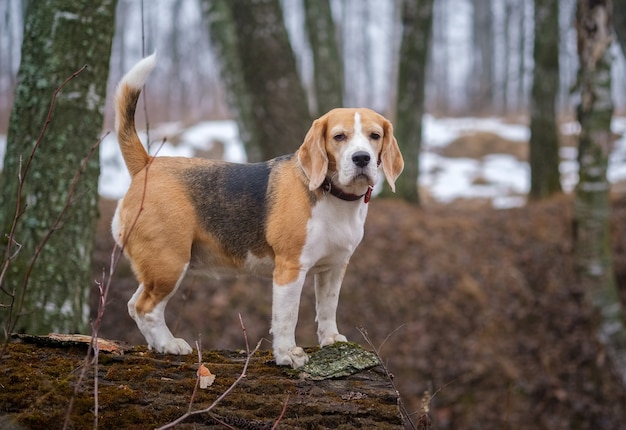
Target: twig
<point>401,405</point>
<point>228,391</point>
<point>14,313</point>
<point>389,337</point>
<point>116,255</point>
<point>195,388</point>
<point>144,95</point>
<point>220,421</point>
<point>10,255</point>
<point>282,413</point>
<point>55,226</point>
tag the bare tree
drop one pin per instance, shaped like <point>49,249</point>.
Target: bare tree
<point>60,37</point>
<point>11,17</point>
<point>482,83</point>
<point>328,64</point>
<point>521,70</point>
<point>544,140</point>
<point>259,69</point>
<point>619,23</point>
<point>417,18</point>
<point>592,207</point>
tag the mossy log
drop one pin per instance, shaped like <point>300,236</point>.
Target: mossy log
<point>141,389</point>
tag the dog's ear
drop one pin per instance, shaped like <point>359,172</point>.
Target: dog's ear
<point>390,156</point>
<point>312,154</point>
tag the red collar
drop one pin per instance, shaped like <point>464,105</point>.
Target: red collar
<point>328,187</point>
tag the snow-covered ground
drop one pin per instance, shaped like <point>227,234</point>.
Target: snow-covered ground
<point>114,178</point>
<point>504,179</point>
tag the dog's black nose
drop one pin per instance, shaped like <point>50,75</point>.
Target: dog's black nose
<point>361,158</point>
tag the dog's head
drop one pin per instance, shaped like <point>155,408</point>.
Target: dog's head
<point>347,146</point>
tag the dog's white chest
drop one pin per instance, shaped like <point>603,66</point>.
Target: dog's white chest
<point>333,232</point>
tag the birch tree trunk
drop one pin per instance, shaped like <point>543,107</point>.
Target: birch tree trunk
<point>592,206</point>
<point>544,140</point>
<point>59,38</point>
<point>417,18</point>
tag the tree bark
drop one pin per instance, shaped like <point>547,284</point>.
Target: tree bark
<point>484,54</point>
<point>259,68</point>
<point>521,71</point>
<point>592,206</point>
<point>417,18</point>
<point>268,395</point>
<point>60,37</point>
<point>223,31</point>
<point>619,23</point>
<point>544,140</point>
<point>328,64</point>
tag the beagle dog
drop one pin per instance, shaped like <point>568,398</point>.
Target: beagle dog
<point>285,218</point>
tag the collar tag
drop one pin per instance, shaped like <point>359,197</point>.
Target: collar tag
<point>368,194</point>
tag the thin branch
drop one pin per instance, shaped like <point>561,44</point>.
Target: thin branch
<point>195,388</point>
<point>220,421</point>
<point>228,391</point>
<point>389,337</point>
<point>405,413</point>
<point>10,255</point>
<point>144,95</point>
<point>116,255</point>
<point>51,230</point>
<point>282,413</point>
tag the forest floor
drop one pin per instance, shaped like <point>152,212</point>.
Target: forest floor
<point>47,382</point>
<point>478,307</point>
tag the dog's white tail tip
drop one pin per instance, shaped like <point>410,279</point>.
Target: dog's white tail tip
<point>138,75</point>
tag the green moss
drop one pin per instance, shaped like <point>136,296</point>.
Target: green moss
<point>337,360</point>
<point>145,390</point>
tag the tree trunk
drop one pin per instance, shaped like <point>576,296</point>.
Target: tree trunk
<point>328,64</point>
<point>521,71</point>
<point>60,37</point>
<point>417,18</point>
<point>484,53</point>
<point>223,31</point>
<point>591,207</point>
<point>259,69</point>
<point>619,23</point>
<point>544,140</point>
<point>508,22</point>
<point>267,396</point>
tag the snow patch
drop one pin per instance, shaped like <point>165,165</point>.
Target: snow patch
<point>500,178</point>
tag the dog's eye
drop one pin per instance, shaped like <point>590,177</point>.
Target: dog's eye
<point>374,136</point>
<point>340,137</point>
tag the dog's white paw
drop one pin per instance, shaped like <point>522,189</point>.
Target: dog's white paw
<point>295,357</point>
<point>175,345</point>
<point>329,340</point>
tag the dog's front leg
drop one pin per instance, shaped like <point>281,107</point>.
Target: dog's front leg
<point>285,306</point>
<point>327,286</point>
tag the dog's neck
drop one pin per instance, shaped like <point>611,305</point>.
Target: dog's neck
<point>329,187</point>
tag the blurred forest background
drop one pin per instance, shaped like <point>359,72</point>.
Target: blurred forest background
<point>484,309</point>
<point>480,62</point>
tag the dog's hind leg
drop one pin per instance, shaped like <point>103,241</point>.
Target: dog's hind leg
<point>147,307</point>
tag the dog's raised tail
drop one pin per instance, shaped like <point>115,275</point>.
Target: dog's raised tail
<point>135,155</point>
